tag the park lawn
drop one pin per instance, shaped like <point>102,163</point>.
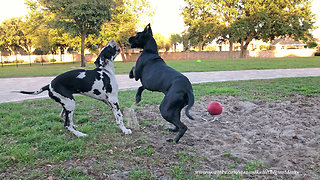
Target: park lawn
<point>181,65</point>
<point>35,145</point>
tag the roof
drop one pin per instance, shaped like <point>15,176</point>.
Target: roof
<point>286,41</point>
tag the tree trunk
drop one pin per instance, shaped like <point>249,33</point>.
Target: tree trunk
<point>244,47</point>
<point>1,58</point>
<point>122,53</point>
<point>230,46</point>
<point>83,60</point>
<point>230,49</point>
<point>60,53</point>
<point>29,53</point>
<point>200,46</point>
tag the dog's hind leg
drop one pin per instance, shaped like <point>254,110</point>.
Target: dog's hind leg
<point>180,126</point>
<point>170,109</point>
<point>69,106</point>
<point>63,113</point>
<point>114,104</point>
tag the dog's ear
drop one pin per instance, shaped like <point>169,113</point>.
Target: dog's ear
<point>100,61</point>
<point>148,29</point>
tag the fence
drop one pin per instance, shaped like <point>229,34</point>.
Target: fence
<point>230,55</point>
<point>165,55</point>
<point>38,58</point>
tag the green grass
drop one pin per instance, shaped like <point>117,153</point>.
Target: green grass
<point>245,63</point>
<point>182,65</point>
<point>138,173</point>
<point>251,166</point>
<point>33,141</point>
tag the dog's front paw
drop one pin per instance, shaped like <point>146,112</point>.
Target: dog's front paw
<point>127,131</point>
<point>75,132</point>
<point>80,134</point>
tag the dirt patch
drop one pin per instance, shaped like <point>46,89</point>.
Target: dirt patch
<point>274,137</point>
<point>265,140</point>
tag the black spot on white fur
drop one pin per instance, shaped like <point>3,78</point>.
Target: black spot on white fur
<point>96,92</point>
<point>106,83</point>
<point>117,105</point>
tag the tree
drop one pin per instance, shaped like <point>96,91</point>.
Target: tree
<point>267,20</point>
<point>80,17</point>
<point>245,20</point>
<point>162,42</point>
<point>2,44</point>
<point>31,26</point>
<point>125,19</point>
<point>174,40</point>
<point>201,22</point>
<point>185,41</point>
<point>312,44</point>
<point>228,12</point>
<point>12,36</point>
<point>39,34</point>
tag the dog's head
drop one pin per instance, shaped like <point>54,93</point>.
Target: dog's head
<point>107,54</point>
<point>140,39</point>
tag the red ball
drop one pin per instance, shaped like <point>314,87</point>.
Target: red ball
<point>214,108</point>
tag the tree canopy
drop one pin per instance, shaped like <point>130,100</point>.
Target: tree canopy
<point>174,40</point>
<point>79,17</point>
<point>124,21</point>
<point>53,25</point>
<point>244,20</point>
<point>201,22</point>
<point>12,36</point>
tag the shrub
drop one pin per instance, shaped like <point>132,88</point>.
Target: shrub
<point>53,60</point>
<point>210,48</point>
<point>312,44</point>
<point>40,61</point>
<point>18,61</point>
<point>236,47</point>
<point>265,47</point>
<point>317,54</point>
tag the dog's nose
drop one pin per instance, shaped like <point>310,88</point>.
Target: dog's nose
<point>112,43</point>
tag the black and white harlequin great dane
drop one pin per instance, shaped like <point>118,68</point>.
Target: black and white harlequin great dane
<point>99,83</point>
<point>155,75</point>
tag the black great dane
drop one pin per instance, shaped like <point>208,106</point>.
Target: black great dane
<point>155,75</point>
<point>99,83</point>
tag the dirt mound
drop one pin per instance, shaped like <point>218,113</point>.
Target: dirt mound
<point>276,136</point>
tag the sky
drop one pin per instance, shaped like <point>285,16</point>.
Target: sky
<point>167,18</point>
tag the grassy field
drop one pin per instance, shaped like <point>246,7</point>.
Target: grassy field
<point>35,145</point>
<point>182,66</point>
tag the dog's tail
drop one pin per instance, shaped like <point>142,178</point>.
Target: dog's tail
<point>45,88</point>
<point>190,104</point>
